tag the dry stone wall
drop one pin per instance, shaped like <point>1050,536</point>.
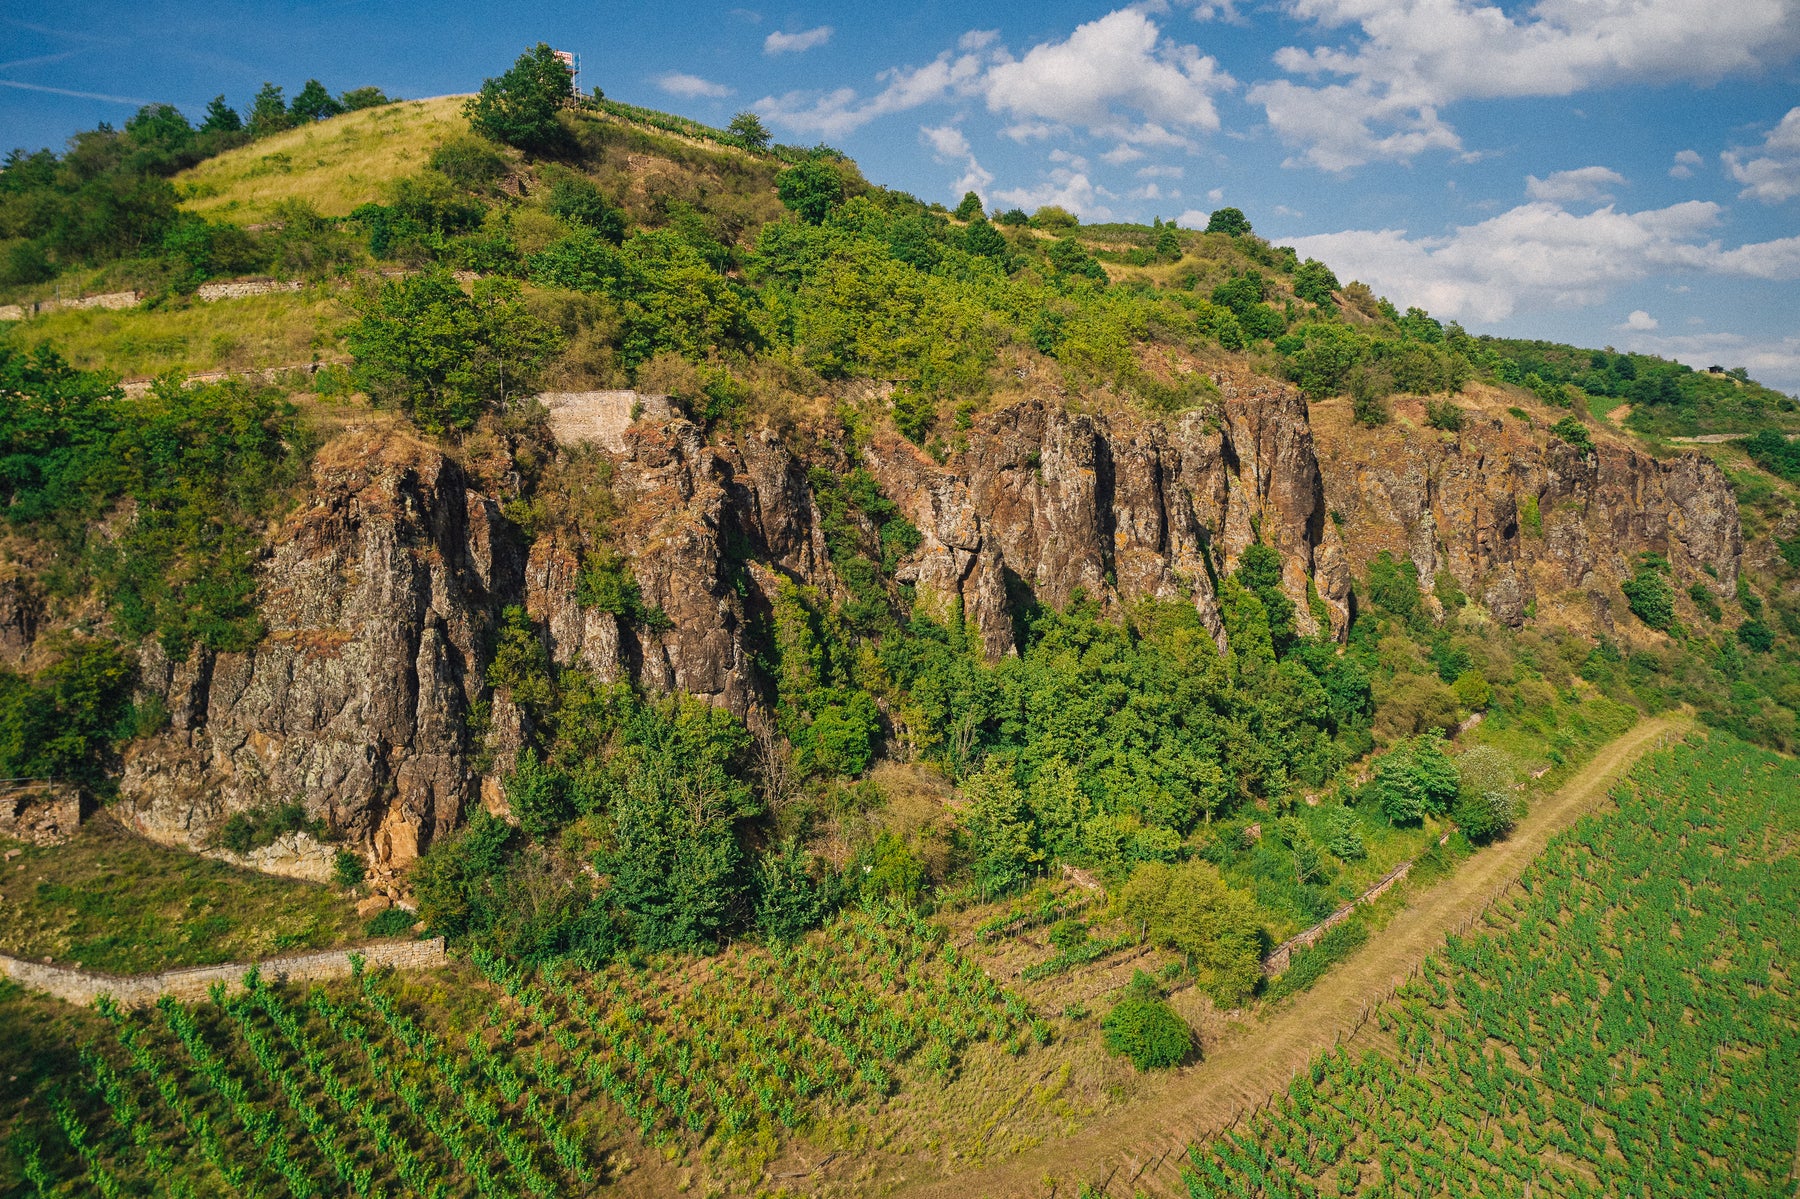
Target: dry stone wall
<point>192,984</point>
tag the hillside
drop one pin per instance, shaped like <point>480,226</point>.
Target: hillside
<point>809,651</point>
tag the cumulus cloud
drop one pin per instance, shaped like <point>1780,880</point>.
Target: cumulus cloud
<point>1581,185</point>
<point>1407,59</point>
<point>1160,172</point>
<point>1105,69</point>
<point>796,43</point>
<point>677,83</point>
<point>948,144</point>
<point>835,113</point>
<point>1774,360</point>
<point>1771,172</point>
<point>977,39</point>
<point>1541,255</point>
<point>1064,188</point>
<point>1685,162</point>
<point>1639,322</point>
<point>1117,77</point>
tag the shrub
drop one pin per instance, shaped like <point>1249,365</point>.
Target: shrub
<point>1650,597</point>
<point>1344,834</point>
<point>1143,1028</point>
<point>1756,636</point>
<point>1571,430</point>
<point>348,869</point>
<point>391,922</point>
<point>1705,600</point>
<point>969,208</point>
<point>789,901</point>
<point>1444,415</point>
<point>1190,909</point>
<point>748,131</point>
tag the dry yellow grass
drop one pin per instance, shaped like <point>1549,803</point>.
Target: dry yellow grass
<point>283,329</point>
<point>333,165</point>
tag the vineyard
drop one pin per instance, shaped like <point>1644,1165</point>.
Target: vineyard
<point>1625,1025</point>
<point>355,1090</point>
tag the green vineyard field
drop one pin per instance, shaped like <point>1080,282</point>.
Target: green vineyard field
<point>354,1090</point>
<point>1626,1024</point>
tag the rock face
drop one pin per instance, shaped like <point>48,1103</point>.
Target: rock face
<point>381,593</point>
<point>378,595</point>
<point>1517,517</point>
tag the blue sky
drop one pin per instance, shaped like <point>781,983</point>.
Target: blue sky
<point>1607,172</point>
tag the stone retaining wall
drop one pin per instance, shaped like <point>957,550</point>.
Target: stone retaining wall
<point>190,985</point>
<point>1279,957</point>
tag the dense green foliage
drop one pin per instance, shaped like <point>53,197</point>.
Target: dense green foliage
<point>199,468</point>
<point>444,356</point>
<point>1143,1027</point>
<point>520,106</point>
<point>1574,1043</point>
<point>65,721</point>
<point>108,196</point>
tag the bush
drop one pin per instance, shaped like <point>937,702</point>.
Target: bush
<point>1343,834</point>
<point>1445,415</point>
<point>1190,909</point>
<point>1143,1028</point>
<point>1650,598</point>
<point>390,922</point>
<point>1756,636</point>
<point>789,900</point>
<point>467,161</point>
<point>1571,430</point>
<point>348,869</point>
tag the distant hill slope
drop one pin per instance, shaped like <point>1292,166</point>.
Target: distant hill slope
<point>334,165</point>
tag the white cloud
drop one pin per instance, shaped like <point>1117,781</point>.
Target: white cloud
<point>1160,172</point>
<point>1284,210</point>
<point>977,39</point>
<point>1064,188</point>
<point>1119,155</point>
<point>1772,360</point>
<point>1407,59</point>
<point>692,86</point>
<point>1117,77</point>
<point>948,144</point>
<point>1774,174</point>
<point>1193,218</point>
<point>1107,67</point>
<point>1216,194</point>
<point>833,114</point>
<point>1581,185</point>
<point>1541,255</point>
<point>1685,162</point>
<point>796,43</point>
<point>1639,322</point>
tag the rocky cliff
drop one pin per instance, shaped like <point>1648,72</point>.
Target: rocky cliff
<point>381,591</point>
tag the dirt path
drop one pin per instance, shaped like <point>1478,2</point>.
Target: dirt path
<point>1151,1136</point>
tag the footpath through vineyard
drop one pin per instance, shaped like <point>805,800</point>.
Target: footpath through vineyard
<point>1147,1142</point>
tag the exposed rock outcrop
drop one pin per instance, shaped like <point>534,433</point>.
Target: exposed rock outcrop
<point>382,591</point>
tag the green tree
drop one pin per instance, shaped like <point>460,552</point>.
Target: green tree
<point>537,797</point>
<point>1143,1028</point>
<point>1259,570</point>
<point>1484,808</point>
<point>221,117</point>
<point>1229,221</point>
<point>1189,908</point>
<point>969,208</point>
<point>985,241</point>
<point>810,189</point>
<point>748,131</point>
<point>269,112</point>
<point>1571,430</point>
<point>576,199</point>
<point>1756,636</point>
<point>676,866</point>
<point>1344,833</point>
<point>443,356</point>
<point>358,98</point>
<point>1168,243</point>
<point>520,107</point>
<point>998,828</point>
<point>1314,282</point>
<point>314,103</point>
<point>789,900</point>
<point>1416,779</point>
